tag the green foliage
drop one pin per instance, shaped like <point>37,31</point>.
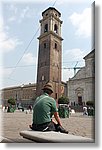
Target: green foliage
<point>63,100</point>
<point>90,103</point>
<point>12,101</point>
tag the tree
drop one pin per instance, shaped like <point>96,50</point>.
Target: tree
<point>63,100</point>
<point>12,101</point>
<point>90,103</point>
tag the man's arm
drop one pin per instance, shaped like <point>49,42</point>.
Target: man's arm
<point>56,115</point>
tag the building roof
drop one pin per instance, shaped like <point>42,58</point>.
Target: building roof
<point>22,86</point>
<point>51,8</point>
<point>91,54</point>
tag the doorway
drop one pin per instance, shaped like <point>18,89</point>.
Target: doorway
<point>80,100</point>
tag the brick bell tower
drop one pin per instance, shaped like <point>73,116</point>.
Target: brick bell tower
<point>50,52</point>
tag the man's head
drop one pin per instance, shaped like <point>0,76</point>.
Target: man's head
<point>48,88</point>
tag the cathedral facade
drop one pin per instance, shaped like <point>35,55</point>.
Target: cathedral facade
<point>81,88</point>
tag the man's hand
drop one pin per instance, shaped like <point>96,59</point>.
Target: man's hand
<point>56,115</point>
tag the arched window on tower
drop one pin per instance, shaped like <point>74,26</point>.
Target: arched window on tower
<point>55,28</point>
<point>44,45</point>
<point>46,28</point>
<point>55,45</point>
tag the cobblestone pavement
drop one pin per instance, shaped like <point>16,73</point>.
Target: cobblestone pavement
<point>76,124</point>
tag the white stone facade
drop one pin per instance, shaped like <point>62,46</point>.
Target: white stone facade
<point>81,88</point>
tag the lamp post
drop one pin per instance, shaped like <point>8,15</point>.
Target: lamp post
<point>21,94</point>
<point>16,100</point>
<point>18,95</point>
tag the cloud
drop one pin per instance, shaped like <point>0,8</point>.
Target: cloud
<point>66,74</point>
<point>4,74</point>
<point>75,54</point>
<point>7,43</point>
<point>24,12</point>
<point>18,14</point>
<point>12,18</point>
<point>71,58</point>
<point>82,22</point>
<point>29,59</point>
<point>13,8</point>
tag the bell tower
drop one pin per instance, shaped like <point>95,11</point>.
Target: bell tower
<point>50,51</point>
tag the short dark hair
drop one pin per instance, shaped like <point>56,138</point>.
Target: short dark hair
<point>48,91</point>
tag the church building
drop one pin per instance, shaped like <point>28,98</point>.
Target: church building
<point>81,88</point>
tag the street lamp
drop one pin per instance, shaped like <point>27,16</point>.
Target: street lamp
<point>21,93</point>
<point>16,100</point>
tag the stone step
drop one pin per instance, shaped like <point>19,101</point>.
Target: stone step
<point>53,137</point>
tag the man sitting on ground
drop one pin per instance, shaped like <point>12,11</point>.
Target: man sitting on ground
<point>43,110</point>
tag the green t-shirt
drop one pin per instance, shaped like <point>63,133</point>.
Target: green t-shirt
<point>43,109</point>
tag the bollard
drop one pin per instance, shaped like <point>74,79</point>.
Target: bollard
<point>63,111</point>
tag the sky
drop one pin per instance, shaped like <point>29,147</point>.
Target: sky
<point>20,28</point>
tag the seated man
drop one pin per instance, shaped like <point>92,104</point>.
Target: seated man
<point>43,110</point>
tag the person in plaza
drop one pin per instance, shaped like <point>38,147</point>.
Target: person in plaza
<point>43,110</point>
<point>85,110</point>
<point>30,108</point>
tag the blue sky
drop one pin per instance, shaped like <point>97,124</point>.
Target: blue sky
<point>19,23</point>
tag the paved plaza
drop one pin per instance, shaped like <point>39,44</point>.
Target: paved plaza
<point>13,123</point>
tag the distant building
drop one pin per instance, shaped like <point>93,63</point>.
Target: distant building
<point>24,95</point>
<point>81,88</point>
